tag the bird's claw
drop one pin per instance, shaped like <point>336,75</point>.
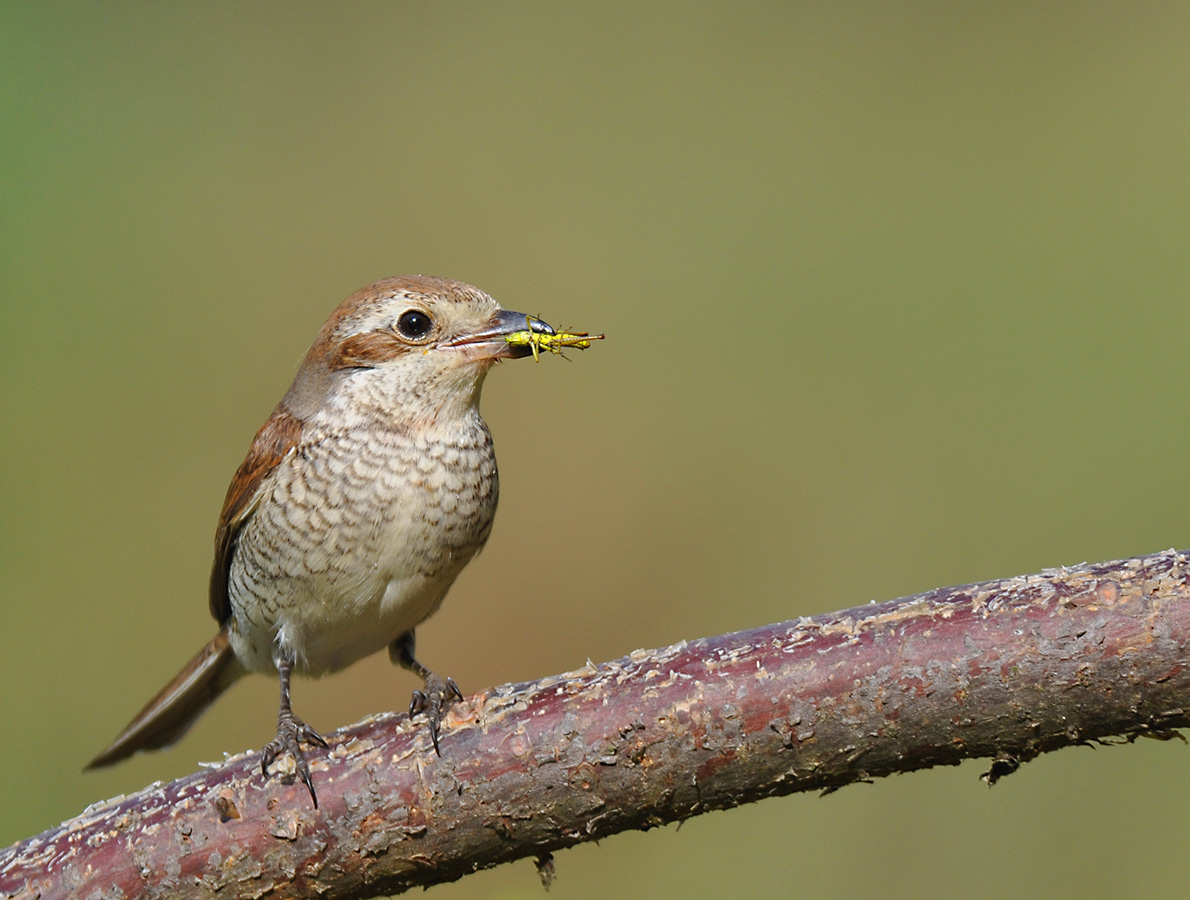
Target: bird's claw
<point>438,694</point>
<point>291,733</point>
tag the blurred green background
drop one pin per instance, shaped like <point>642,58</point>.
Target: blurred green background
<point>895,296</point>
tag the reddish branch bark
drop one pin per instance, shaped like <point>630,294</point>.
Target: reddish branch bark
<point>1005,669</point>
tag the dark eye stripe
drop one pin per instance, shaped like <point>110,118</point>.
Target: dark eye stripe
<point>363,351</point>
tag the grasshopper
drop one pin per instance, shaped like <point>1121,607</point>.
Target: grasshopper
<point>554,343</point>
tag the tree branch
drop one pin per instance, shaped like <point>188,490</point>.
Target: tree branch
<point>1004,669</point>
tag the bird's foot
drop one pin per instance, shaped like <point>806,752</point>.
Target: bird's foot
<point>291,733</point>
<point>439,693</point>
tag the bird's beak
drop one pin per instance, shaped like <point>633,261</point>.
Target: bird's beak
<point>494,341</point>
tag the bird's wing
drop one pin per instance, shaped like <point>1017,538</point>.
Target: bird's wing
<point>277,439</point>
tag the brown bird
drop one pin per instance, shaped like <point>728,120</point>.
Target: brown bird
<point>364,494</point>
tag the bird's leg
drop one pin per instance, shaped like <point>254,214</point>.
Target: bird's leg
<point>291,731</point>
<point>438,691</point>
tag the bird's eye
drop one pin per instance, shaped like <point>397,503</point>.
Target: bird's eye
<point>414,324</point>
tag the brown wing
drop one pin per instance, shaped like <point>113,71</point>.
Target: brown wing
<point>276,439</point>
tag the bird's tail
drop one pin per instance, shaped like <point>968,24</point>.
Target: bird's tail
<point>167,716</point>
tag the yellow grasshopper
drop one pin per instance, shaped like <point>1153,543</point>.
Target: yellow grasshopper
<point>553,342</point>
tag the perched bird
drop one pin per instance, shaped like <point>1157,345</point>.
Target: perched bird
<point>364,494</point>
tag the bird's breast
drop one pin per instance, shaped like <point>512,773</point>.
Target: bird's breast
<point>357,539</point>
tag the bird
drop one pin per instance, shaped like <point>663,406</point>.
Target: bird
<point>362,497</point>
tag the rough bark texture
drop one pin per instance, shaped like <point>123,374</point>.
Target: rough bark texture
<point>1005,669</point>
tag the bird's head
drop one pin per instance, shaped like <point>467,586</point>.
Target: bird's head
<point>410,347</point>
